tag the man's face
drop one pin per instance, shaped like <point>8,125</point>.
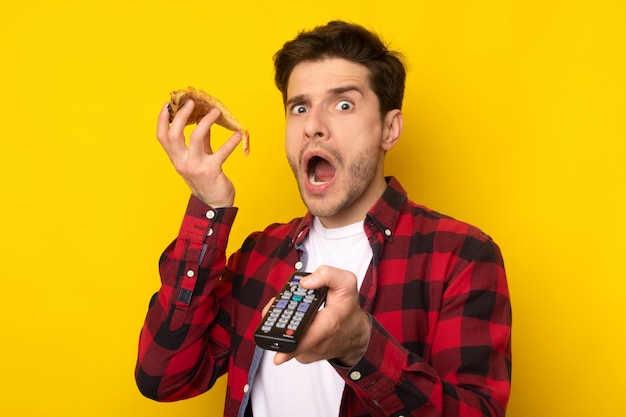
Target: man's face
<point>333,139</point>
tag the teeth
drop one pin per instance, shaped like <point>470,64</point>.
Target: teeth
<point>312,179</point>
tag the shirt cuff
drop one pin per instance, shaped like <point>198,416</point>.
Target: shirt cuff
<point>377,374</point>
<point>203,224</point>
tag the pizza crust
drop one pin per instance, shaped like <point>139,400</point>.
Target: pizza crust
<point>204,102</point>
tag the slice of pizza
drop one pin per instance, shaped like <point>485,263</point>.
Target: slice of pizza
<point>204,102</point>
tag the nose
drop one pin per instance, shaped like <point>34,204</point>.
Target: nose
<point>316,126</point>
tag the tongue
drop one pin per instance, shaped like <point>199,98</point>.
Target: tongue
<point>324,171</point>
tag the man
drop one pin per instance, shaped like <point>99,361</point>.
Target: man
<point>417,317</point>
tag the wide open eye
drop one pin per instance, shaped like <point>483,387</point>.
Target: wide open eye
<point>299,108</point>
<point>344,105</point>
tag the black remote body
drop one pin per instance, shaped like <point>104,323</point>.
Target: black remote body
<point>289,316</point>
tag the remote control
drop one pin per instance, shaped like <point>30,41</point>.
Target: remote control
<point>290,314</point>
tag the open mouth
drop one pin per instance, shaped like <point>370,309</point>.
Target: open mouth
<point>320,171</point>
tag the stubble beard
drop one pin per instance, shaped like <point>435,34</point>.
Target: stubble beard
<point>361,174</point>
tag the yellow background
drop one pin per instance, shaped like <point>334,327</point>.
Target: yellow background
<point>514,121</point>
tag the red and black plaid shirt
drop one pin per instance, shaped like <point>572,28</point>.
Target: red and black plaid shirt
<point>436,291</point>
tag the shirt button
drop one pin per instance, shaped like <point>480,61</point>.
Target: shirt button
<point>209,232</point>
<point>355,375</point>
<point>246,388</point>
<point>210,214</point>
<point>190,273</point>
<point>299,265</point>
<point>387,232</point>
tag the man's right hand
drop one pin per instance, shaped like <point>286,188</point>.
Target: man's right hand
<point>200,167</point>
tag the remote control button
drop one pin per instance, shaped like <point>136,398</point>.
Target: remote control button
<point>287,315</point>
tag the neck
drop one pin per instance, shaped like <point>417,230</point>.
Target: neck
<point>358,209</point>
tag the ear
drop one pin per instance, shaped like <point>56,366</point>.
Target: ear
<point>392,128</point>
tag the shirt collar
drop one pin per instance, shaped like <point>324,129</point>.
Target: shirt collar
<point>383,215</point>
<point>385,212</point>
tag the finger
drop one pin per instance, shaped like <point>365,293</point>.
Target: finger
<point>171,138</point>
<point>301,354</point>
<point>307,350</point>
<point>205,123</point>
<point>282,357</point>
<point>229,146</point>
<point>341,283</point>
<point>182,115</point>
<point>267,306</point>
<point>163,124</point>
<point>200,138</point>
<point>200,144</point>
<point>173,142</point>
<point>323,276</point>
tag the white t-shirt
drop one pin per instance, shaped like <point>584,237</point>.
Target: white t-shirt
<point>312,390</point>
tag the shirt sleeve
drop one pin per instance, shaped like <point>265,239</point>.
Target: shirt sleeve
<point>185,342</point>
<point>468,369</point>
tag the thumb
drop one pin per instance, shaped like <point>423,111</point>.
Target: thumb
<point>313,281</point>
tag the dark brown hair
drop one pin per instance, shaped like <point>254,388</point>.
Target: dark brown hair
<point>352,42</point>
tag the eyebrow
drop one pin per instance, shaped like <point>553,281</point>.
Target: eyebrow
<point>331,92</point>
<point>341,90</point>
